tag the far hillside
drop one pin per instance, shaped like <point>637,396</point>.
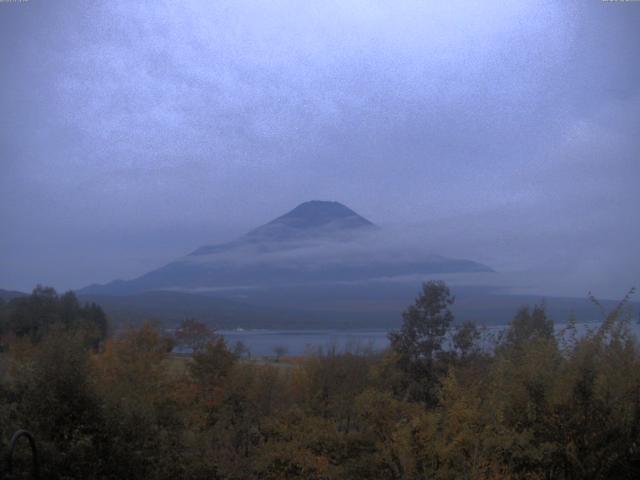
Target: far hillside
<point>324,308</point>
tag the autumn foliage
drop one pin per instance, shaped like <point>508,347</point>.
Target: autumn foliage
<point>443,402</point>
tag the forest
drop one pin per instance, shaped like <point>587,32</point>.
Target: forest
<point>444,401</point>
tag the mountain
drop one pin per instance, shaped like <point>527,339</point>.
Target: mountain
<point>170,307</point>
<point>331,307</point>
<point>310,220</point>
<point>7,295</point>
<point>316,243</point>
<point>356,306</point>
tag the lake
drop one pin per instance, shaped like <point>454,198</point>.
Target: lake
<point>298,342</point>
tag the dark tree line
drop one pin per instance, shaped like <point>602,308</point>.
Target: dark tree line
<point>36,315</point>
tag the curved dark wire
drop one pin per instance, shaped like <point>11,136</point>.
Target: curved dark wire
<point>35,469</point>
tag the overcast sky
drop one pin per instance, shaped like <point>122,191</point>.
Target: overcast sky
<point>506,132</point>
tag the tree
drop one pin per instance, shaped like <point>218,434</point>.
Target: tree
<point>419,341</point>
<point>32,316</point>
<point>194,334</point>
<point>528,326</point>
<point>212,364</point>
<point>142,421</point>
<point>56,401</point>
<point>279,351</point>
<point>240,350</point>
<point>465,340</point>
<point>425,323</point>
<point>332,380</point>
<point>35,315</point>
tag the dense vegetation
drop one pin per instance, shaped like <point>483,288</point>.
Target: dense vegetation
<point>443,401</point>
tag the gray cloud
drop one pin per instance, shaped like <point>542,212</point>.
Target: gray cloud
<point>133,132</point>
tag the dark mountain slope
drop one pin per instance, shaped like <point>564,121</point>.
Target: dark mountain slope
<point>171,307</point>
<point>7,295</point>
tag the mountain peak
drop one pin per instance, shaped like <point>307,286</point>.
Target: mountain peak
<point>318,213</point>
<point>312,219</point>
<point>315,217</point>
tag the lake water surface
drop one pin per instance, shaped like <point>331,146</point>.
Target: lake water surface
<point>298,342</point>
